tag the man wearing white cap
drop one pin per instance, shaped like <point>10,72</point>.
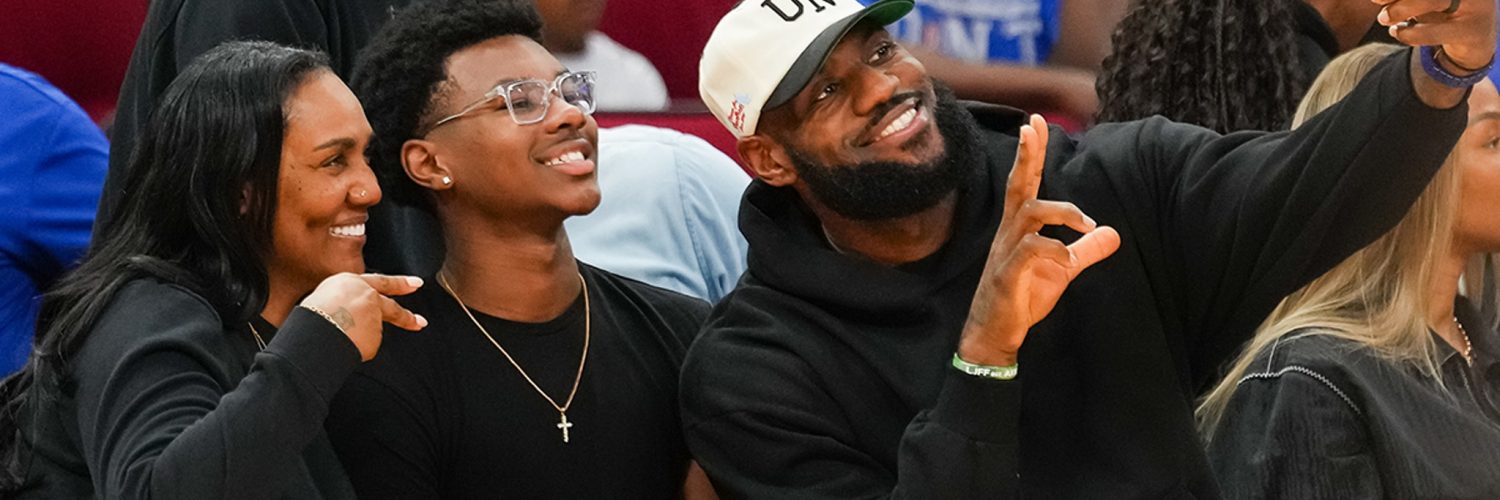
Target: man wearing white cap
<point>900,253</point>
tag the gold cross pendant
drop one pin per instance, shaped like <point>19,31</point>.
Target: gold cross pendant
<point>564,425</point>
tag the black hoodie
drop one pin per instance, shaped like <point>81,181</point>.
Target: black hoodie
<point>827,376</point>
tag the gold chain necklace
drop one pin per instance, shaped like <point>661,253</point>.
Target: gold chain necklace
<point>562,410</point>
<point>258,341</point>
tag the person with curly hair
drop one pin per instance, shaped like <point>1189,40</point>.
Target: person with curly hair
<point>1226,65</point>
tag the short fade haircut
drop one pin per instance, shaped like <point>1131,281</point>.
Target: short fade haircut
<point>401,76</point>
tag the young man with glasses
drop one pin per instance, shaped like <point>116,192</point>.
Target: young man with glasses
<point>537,376</point>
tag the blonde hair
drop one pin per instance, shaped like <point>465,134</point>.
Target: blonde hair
<point>1377,297</point>
<point>1339,78</point>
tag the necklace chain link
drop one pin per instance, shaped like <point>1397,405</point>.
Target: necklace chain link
<point>562,409</point>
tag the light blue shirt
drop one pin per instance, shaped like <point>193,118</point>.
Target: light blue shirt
<point>669,215</point>
<point>52,163</point>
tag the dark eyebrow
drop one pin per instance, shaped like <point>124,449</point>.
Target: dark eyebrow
<point>1488,115</point>
<point>341,143</point>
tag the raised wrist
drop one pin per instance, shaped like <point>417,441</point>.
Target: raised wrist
<point>977,352</point>
<point>1006,372</point>
<point>1461,65</point>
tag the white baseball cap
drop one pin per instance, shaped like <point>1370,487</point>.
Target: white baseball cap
<point>764,51</point>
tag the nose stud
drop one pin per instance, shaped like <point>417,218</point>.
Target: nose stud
<point>361,193</point>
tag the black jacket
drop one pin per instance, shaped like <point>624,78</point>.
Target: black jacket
<point>1322,417</point>
<point>164,401</point>
<point>825,376</point>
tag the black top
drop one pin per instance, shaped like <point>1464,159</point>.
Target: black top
<point>178,31</point>
<point>853,396</point>
<point>166,402</point>
<point>441,413</point>
<point>1322,417</point>
<point>1316,43</point>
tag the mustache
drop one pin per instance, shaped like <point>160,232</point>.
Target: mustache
<point>885,108</point>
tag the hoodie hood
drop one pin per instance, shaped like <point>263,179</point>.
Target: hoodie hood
<point>789,252</point>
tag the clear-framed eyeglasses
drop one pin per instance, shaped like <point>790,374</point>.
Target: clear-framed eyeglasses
<point>529,100</point>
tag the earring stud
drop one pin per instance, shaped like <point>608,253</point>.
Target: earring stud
<point>447,180</point>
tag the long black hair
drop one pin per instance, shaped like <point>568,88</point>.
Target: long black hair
<point>1223,64</point>
<point>197,210</point>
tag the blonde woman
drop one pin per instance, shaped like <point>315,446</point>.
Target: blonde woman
<point>1373,381</point>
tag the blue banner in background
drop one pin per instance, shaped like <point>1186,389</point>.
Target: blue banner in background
<point>1009,31</point>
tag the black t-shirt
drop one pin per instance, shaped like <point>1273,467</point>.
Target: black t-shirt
<point>442,412</point>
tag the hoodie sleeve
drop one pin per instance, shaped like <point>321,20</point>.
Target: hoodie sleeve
<point>781,436</point>
<point>1236,222</point>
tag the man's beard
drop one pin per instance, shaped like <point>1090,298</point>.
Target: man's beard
<point>886,190</point>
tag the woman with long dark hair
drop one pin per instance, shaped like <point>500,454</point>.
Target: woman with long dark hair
<point>193,353</point>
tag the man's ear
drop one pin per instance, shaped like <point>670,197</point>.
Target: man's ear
<point>419,158</point>
<point>767,159</point>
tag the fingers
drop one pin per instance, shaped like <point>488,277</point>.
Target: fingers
<point>1093,247</point>
<point>1026,174</point>
<point>1037,247</point>
<point>393,313</point>
<point>1035,214</point>
<point>1401,10</point>
<point>1435,33</point>
<point>392,285</point>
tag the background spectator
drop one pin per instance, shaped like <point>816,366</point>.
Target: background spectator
<point>627,81</point>
<point>177,31</point>
<point>1230,64</point>
<point>669,215</point>
<point>52,162</point>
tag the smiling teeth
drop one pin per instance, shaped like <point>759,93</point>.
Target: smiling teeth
<point>900,124</point>
<point>566,158</point>
<point>355,230</point>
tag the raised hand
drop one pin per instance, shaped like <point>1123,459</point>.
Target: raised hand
<point>360,303</point>
<point>1026,273</point>
<point>1464,28</point>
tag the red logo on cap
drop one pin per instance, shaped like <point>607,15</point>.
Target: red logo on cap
<point>737,115</point>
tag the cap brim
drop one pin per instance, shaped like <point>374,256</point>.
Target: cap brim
<point>812,58</point>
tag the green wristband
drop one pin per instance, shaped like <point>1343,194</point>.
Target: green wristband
<point>986,371</point>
